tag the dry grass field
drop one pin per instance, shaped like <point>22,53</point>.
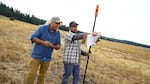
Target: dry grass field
<point>110,62</point>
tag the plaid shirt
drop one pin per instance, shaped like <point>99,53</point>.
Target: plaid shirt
<point>72,49</point>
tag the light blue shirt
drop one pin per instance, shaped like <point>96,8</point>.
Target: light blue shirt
<point>39,51</point>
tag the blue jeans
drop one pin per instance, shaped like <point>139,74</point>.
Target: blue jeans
<point>69,69</point>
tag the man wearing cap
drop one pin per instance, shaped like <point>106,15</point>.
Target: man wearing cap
<point>72,52</point>
<point>45,39</point>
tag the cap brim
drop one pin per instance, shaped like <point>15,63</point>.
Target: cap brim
<point>75,24</point>
<point>59,21</point>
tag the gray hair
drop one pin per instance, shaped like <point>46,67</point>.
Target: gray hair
<point>53,19</point>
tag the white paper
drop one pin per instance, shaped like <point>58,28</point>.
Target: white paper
<point>91,40</point>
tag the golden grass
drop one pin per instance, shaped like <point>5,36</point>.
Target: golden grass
<point>110,62</point>
<point>126,48</point>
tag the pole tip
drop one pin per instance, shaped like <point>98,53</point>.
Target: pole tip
<point>96,11</point>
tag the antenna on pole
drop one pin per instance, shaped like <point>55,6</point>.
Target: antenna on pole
<point>96,14</point>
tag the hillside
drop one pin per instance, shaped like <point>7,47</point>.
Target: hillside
<point>110,62</point>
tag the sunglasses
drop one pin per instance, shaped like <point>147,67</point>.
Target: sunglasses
<point>57,22</point>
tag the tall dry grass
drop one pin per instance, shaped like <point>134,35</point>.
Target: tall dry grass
<point>110,62</point>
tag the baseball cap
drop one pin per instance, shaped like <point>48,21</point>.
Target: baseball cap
<point>73,23</point>
<point>55,19</point>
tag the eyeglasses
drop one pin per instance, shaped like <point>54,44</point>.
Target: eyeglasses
<point>57,22</point>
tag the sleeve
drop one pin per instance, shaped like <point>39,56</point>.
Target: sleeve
<point>69,36</point>
<point>37,33</point>
<point>78,36</point>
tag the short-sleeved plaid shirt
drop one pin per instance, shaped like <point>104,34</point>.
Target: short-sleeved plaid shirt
<point>72,49</point>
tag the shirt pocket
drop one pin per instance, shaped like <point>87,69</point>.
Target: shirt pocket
<point>53,40</point>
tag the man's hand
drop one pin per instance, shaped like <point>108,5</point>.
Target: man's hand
<point>47,44</point>
<point>44,43</point>
<point>87,54</point>
<point>56,46</point>
<point>95,33</point>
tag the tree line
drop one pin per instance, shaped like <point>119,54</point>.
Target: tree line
<point>125,42</point>
<point>16,14</point>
